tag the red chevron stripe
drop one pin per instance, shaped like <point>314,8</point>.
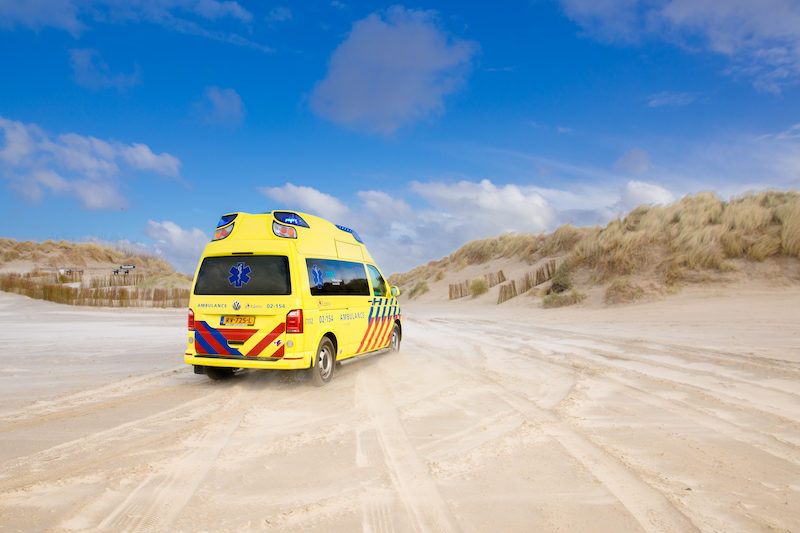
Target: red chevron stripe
<point>381,329</point>
<point>209,338</point>
<point>387,337</point>
<point>267,340</point>
<point>366,333</point>
<point>278,352</point>
<point>378,324</point>
<point>238,334</point>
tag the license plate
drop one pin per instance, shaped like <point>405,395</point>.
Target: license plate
<point>237,321</point>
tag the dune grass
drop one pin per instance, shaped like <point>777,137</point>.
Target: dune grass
<point>700,232</point>
<point>478,287</point>
<point>157,285</point>
<point>420,288</point>
<point>77,254</point>
<point>50,287</point>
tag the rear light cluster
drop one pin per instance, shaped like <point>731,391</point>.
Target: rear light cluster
<point>221,233</point>
<point>191,320</point>
<point>294,321</point>
<point>287,232</point>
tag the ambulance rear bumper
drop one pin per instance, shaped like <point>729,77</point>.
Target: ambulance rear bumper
<point>293,361</point>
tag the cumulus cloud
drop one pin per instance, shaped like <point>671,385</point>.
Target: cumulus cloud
<point>308,199</point>
<point>485,205</point>
<point>92,72</point>
<point>223,107</point>
<point>402,237</point>
<point>636,193</point>
<point>761,38</point>
<point>181,247</point>
<point>393,69</point>
<point>73,15</point>
<point>636,161</point>
<point>73,165</point>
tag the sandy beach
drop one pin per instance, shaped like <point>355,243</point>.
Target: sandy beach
<point>676,415</point>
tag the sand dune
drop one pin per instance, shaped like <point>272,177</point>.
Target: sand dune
<point>676,415</point>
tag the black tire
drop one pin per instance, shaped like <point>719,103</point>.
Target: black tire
<point>217,373</point>
<point>394,340</point>
<point>324,363</point>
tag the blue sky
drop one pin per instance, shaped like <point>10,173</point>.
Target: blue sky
<point>421,126</point>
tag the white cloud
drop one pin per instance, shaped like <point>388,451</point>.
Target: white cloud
<point>309,200</point>
<point>78,166</point>
<point>762,38</point>
<point>182,248</point>
<point>636,193</point>
<point>393,69</point>
<point>279,14</point>
<point>92,72</point>
<point>670,98</point>
<point>401,237</point>
<point>223,107</point>
<point>636,161</point>
<point>488,207</point>
<point>73,15</point>
<point>38,14</point>
<point>791,133</point>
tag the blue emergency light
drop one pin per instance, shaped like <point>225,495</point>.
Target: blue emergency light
<point>293,219</point>
<point>353,233</point>
<point>226,219</point>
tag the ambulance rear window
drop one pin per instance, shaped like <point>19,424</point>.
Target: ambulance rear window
<point>251,275</point>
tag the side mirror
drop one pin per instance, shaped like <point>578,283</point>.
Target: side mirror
<point>395,290</point>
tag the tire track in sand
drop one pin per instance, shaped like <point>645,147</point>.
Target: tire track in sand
<point>157,502</point>
<point>410,475</point>
<point>81,454</point>
<point>651,508</point>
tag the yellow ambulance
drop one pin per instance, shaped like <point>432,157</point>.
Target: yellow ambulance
<point>289,291</point>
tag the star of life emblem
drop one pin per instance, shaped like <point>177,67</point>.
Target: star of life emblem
<point>319,281</point>
<point>239,274</point>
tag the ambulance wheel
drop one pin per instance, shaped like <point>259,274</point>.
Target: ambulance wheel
<point>324,363</point>
<point>217,373</point>
<point>394,343</point>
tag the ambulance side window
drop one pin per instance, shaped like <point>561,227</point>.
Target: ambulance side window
<point>330,277</point>
<point>378,285</point>
<point>356,279</point>
<point>325,277</point>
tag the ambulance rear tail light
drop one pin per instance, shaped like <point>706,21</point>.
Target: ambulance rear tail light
<point>221,233</point>
<point>287,232</point>
<point>191,320</point>
<point>294,321</point>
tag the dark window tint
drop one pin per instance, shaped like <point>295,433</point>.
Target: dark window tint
<point>253,275</point>
<point>329,277</point>
<point>378,285</point>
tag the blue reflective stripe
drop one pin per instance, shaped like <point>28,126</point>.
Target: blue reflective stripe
<point>204,344</point>
<point>221,340</point>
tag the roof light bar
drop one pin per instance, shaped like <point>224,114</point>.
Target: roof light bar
<point>353,233</point>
